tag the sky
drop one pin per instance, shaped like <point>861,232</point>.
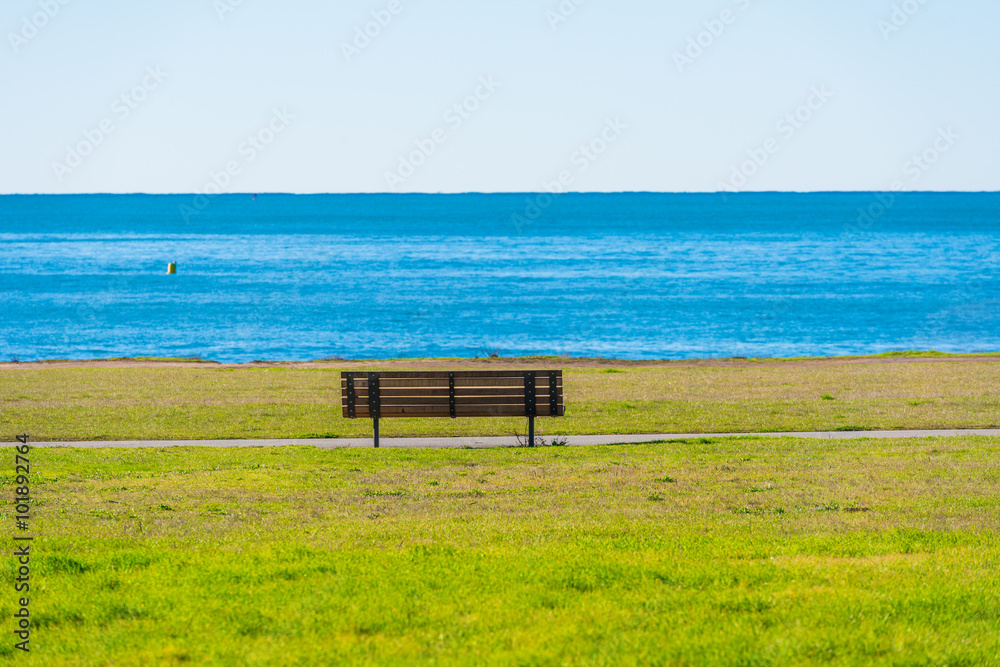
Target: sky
<point>303,96</point>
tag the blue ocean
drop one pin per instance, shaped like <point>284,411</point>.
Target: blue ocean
<point>636,276</point>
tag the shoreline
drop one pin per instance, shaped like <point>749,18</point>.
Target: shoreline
<point>525,362</point>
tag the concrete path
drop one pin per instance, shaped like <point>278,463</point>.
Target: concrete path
<point>485,443</point>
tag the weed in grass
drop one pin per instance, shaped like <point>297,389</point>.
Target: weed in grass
<point>828,397</point>
<point>540,441</point>
<point>60,564</point>
<point>746,605</point>
<point>488,351</point>
<point>666,480</point>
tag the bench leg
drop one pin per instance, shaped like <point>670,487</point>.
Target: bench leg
<point>376,432</point>
<point>531,431</point>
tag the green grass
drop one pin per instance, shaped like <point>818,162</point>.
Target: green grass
<point>728,551</point>
<point>932,353</point>
<point>924,354</point>
<point>198,402</point>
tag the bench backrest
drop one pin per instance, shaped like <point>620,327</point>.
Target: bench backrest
<point>452,394</point>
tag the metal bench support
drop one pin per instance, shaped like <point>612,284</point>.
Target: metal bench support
<point>374,402</point>
<point>530,410</point>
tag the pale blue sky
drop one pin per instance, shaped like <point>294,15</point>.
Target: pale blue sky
<point>892,98</point>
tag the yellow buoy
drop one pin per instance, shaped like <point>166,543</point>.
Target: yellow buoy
<point>171,268</point>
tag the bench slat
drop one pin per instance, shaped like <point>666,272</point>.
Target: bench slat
<point>362,383</point>
<point>438,375</point>
<point>396,401</point>
<point>443,391</point>
<point>460,411</point>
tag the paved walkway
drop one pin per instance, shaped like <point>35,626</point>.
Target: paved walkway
<point>485,443</point>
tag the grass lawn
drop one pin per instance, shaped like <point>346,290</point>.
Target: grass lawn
<point>202,401</point>
<point>749,551</point>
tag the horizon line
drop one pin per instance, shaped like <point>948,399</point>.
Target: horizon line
<point>724,193</point>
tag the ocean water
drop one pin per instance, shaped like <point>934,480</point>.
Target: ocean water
<point>639,276</point>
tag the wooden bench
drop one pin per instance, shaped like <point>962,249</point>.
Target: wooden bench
<point>452,394</point>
